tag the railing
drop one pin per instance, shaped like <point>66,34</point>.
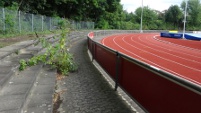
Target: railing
<point>153,89</point>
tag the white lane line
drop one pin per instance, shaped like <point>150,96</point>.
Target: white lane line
<point>148,61</point>
<point>198,50</point>
<point>179,50</point>
<point>164,52</point>
<point>169,60</point>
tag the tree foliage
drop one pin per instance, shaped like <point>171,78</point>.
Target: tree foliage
<point>149,17</point>
<point>109,14</point>
<point>174,16</point>
<point>193,14</point>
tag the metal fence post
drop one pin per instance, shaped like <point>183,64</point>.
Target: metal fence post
<point>20,28</point>
<point>25,22</point>
<point>93,51</point>
<point>93,25</point>
<point>73,25</point>
<point>42,22</point>
<point>50,24</point>
<point>32,23</point>
<point>4,20</point>
<point>117,70</point>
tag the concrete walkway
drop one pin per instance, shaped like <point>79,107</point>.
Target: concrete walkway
<point>86,91</point>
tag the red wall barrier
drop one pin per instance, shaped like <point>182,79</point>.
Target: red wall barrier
<point>106,59</point>
<point>156,93</point>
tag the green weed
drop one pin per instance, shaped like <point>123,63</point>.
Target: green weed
<point>57,56</point>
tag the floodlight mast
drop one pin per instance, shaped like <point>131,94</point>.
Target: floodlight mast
<point>141,18</point>
<point>185,20</point>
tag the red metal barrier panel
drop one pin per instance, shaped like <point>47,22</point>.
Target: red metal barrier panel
<point>106,59</point>
<point>89,41</point>
<point>155,93</point>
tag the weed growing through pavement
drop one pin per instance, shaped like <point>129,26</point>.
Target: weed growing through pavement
<point>57,55</point>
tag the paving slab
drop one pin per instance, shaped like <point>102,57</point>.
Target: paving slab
<point>15,91</point>
<point>44,89</point>
<point>10,48</point>
<point>41,98</point>
<point>16,47</point>
<point>8,103</point>
<point>43,109</point>
<point>24,43</point>
<point>5,69</point>
<point>3,54</point>
<point>18,86</point>
<point>10,111</point>
<point>20,79</point>
<point>17,58</point>
<point>32,49</point>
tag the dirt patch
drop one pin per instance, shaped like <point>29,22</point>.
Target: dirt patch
<point>57,100</point>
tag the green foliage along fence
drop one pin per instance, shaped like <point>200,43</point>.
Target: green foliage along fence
<point>12,21</point>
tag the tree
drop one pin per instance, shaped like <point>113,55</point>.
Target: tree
<point>193,14</point>
<point>174,16</point>
<point>149,17</point>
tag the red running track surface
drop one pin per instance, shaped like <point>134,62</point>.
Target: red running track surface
<point>179,57</point>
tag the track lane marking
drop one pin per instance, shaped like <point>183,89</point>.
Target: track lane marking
<point>179,50</point>
<point>169,60</point>
<point>164,52</point>
<point>151,62</point>
<point>177,44</point>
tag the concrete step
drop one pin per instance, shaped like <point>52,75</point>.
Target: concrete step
<point>6,51</point>
<point>30,90</point>
<point>5,73</point>
<point>9,65</point>
<point>9,62</point>
<point>40,99</point>
<point>15,48</point>
<point>14,93</point>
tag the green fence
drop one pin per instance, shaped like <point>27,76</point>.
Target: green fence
<point>18,22</point>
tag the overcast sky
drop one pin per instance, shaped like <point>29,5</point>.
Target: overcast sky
<point>131,5</point>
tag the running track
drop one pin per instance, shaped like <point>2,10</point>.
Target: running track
<point>179,57</point>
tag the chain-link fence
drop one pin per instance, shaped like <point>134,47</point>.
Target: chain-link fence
<point>12,21</point>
